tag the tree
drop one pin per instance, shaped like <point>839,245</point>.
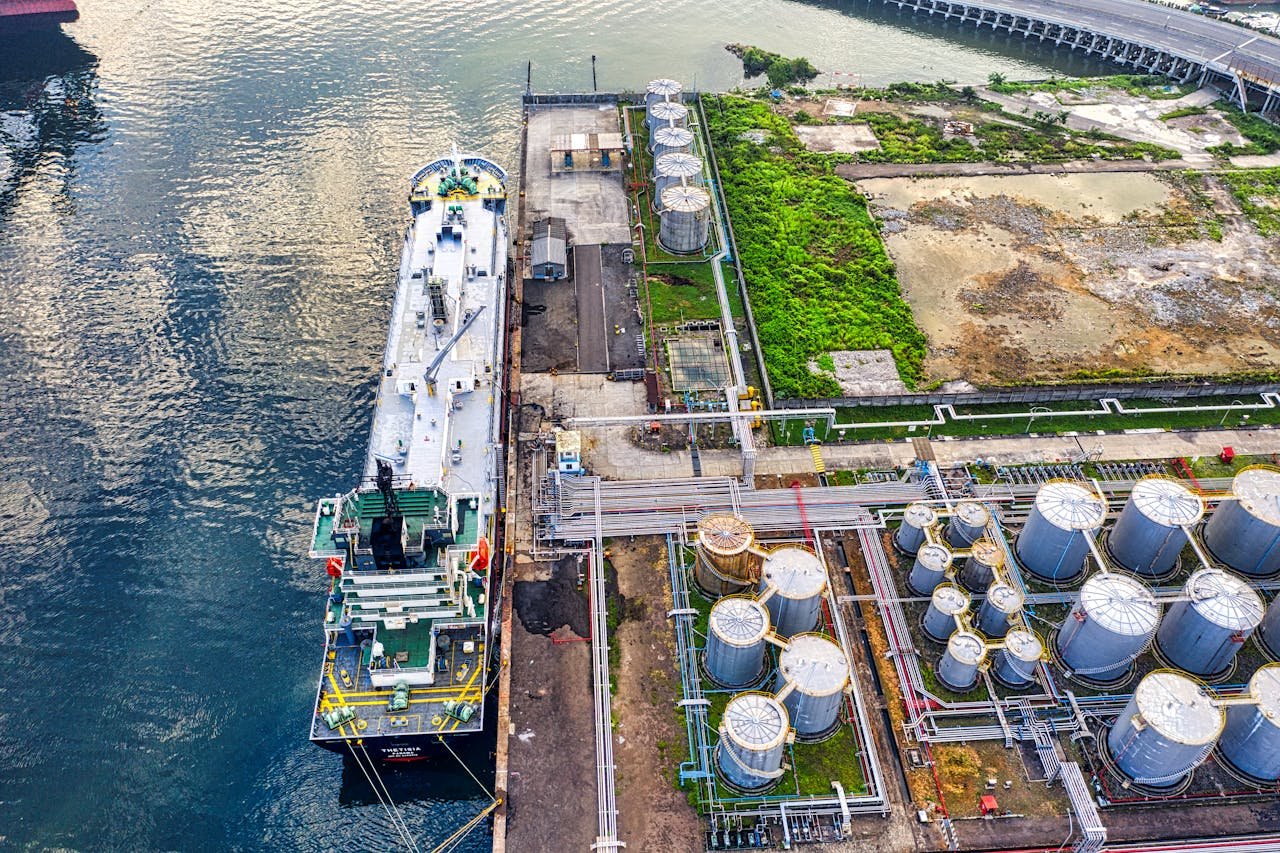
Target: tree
<point>995,78</point>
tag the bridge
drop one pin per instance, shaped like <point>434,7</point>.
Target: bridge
<point>1147,37</point>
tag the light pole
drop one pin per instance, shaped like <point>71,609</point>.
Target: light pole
<point>1229,411</point>
<point>1034,411</point>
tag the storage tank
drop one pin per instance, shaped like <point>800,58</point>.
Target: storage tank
<point>940,619</point>
<point>813,673</point>
<point>1269,630</point>
<point>725,563</point>
<point>1054,542</point>
<point>930,568</point>
<point>754,732</point>
<point>670,140</point>
<point>986,559</point>
<point>1203,632</point>
<point>968,524</point>
<point>683,223</point>
<point>1015,665</point>
<point>958,666</point>
<point>666,113</point>
<point>1148,537</point>
<point>673,169</point>
<point>1250,740</point>
<point>736,631</point>
<point>996,611</point>
<point>1110,625</point>
<point>1166,730</point>
<point>1244,533</point>
<point>662,89</point>
<point>915,519</point>
<point>792,581</point>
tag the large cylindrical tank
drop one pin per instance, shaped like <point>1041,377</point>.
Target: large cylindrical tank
<point>1203,632</point>
<point>670,140</point>
<point>915,519</point>
<point>813,673</point>
<point>986,559</point>
<point>1244,533</point>
<point>725,563</point>
<point>673,169</point>
<point>1015,665</point>
<point>1269,630</point>
<point>1148,536</point>
<point>754,731</point>
<point>1110,625</point>
<point>664,113</point>
<point>1166,730</point>
<point>662,89</point>
<point>958,666</point>
<point>947,601</point>
<point>998,609</point>
<point>685,218</point>
<point>1250,740</point>
<point>792,581</point>
<point>1054,542</point>
<point>968,524</point>
<point>930,568</point>
<point>736,631</point>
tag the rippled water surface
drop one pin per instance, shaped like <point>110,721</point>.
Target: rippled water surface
<point>198,205</point>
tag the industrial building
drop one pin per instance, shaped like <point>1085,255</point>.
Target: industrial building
<point>587,152</point>
<point>549,250</point>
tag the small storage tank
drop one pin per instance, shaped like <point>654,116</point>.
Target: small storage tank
<point>1148,537</point>
<point>665,113</point>
<point>1015,665</point>
<point>958,666</point>
<point>940,619</point>
<point>1203,632</point>
<point>672,170</point>
<point>1054,542</point>
<point>996,611</point>
<point>1250,740</point>
<point>662,89</point>
<point>1269,630</point>
<point>986,559</point>
<point>813,673</point>
<point>754,732</point>
<point>725,563</point>
<point>1166,730</point>
<point>670,140</point>
<point>736,631</point>
<point>685,218</point>
<point>915,518</point>
<point>1245,533</point>
<point>930,568</point>
<point>792,581</point>
<point>1110,625</point>
<point>968,524</point>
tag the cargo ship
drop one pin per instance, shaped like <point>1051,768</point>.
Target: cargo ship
<point>36,14</point>
<point>408,616</point>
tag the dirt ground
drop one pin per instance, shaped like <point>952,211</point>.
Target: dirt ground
<point>1037,277</point>
<point>649,742</point>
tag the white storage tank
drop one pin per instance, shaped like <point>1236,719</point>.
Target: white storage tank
<point>968,524</point>
<point>792,582</point>
<point>673,169</point>
<point>930,568</point>
<point>1148,536</point>
<point>1108,627</point>
<point>986,559</point>
<point>685,219</point>
<point>1244,533</point>
<point>1250,740</point>
<point>665,113</point>
<point>1166,730</point>
<point>1015,665</point>
<point>736,631</point>
<point>813,674</point>
<point>1269,630</point>
<point>958,667</point>
<point>670,140</point>
<point>916,518</point>
<point>997,610</point>
<point>1054,542</point>
<point>1203,632</point>
<point>663,89</point>
<point>754,733</point>
<point>725,561</point>
<point>947,602</point>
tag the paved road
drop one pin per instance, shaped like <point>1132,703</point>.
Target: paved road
<point>588,278</point>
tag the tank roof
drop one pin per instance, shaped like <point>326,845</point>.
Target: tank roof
<point>673,137</point>
<point>972,513</point>
<point>934,556</point>
<point>950,599</point>
<point>967,647</point>
<point>1265,687</point>
<point>920,515</point>
<point>1120,603</point>
<point>1167,502</point>
<point>1068,505</point>
<point>1004,597</point>
<point>668,110</point>
<point>1177,708</point>
<point>685,199</point>
<point>815,663</point>
<point>794,572</point>
<point>1224,599</point>
<point>1258,491</point>
<point>756,721</point>
<point>678,164</point>
<point>739,620</point>
<point>1023,645</point>
<point>987,552</point>
<point>725,534</point>
<point>664,86</point>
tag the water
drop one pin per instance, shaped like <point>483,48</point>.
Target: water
<point>199,205</point>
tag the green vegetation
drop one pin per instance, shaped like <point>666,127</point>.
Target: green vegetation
<point>1264,137</point>
<point>1183,112</point>
<point>1150,85</point>
<point>1258,192</point>
<point>817,272</point>
<point>777,69</point>
<point>816,764</point>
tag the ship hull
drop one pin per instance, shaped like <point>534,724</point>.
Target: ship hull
<point>36,14</point>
